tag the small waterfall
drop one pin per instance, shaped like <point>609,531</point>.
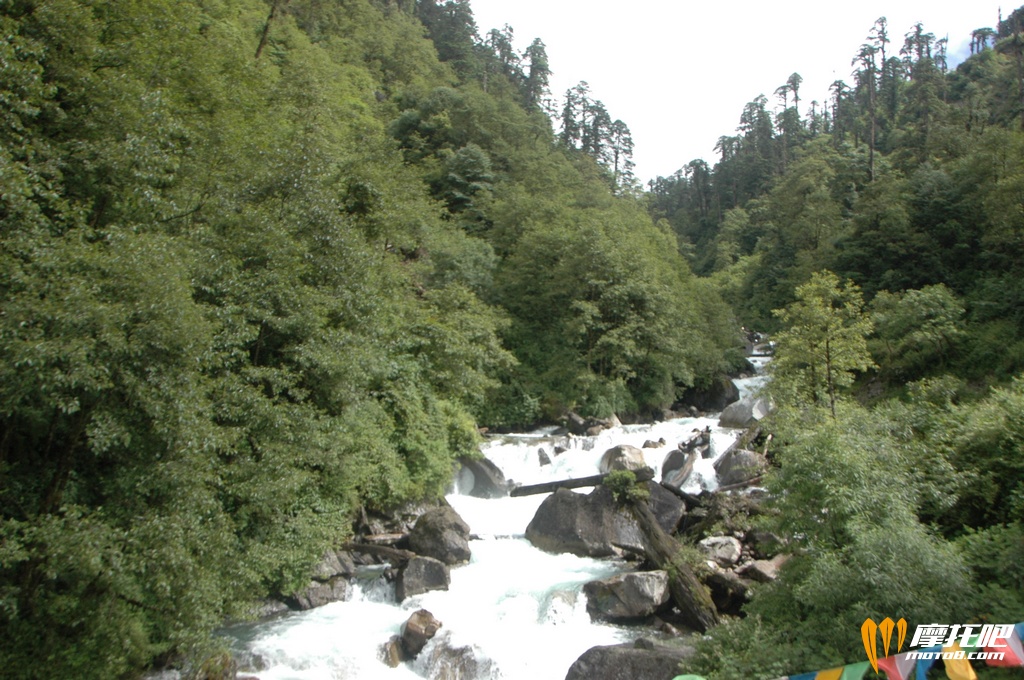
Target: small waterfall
<point>513,612</point>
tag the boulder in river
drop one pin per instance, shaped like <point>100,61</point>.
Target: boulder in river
<point>642,660</point>
<point>590,525</point>
<point>622,457</point>
<point>417,631</point>
<point>739,466</point>
<point>481,478</point>
<point>419,575</point>
<point>440,533</point>
<point>319,593</point>
<point>634,595</point>
<point>745,412</point>
<point>723,550</point>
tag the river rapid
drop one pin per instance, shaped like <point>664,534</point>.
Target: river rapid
<point>513,612</point>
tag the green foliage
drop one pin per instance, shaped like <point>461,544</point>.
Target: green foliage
<point>916,328</point>
<point>259,269</point>
<point>824,344</point>
<point>623,485</point>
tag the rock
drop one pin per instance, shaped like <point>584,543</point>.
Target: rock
<point>441,534</point>
<point>590,525</point>
<point>334,564</point>
<point>481,478</point>
<point>542,457</point>
<point>417,631</point>
<point>269,607</point>
<point>764,571</point>
<point>745,412</point>
<point>651,444</point>
<point>392,653</point>
<point>715,397</point>
<point>763,544</point>
<point>615,662</point>
<point>724,550</point>
<point>667,507</point>
<point>622,457</point>
<point>319,593</point>
<point>728,591</point>
<point>419,575</point>
<point>446,662</point>
<point>678,467</point>
<point>627,596</point>
<point>739,466</point>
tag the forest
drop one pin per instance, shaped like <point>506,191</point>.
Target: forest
<point>266,263</point>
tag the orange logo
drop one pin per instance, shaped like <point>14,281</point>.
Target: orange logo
<point>869,633</point>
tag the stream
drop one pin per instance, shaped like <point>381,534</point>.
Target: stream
<point>513,612</point>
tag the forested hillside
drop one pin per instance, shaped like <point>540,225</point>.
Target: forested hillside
<point>880,237</point>
<point>908,178</point>
<point>265,263</point>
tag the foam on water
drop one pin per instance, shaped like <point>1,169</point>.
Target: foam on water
<point>518,611</point>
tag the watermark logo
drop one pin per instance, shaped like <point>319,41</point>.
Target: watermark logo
<point>952,638</point>
<point>869,633</point>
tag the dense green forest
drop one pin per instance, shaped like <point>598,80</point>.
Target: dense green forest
<point>266,262</point>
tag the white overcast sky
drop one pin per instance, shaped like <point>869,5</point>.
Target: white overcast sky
<point>678,72</point>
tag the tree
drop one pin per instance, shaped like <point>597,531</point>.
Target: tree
<point>825,342</point>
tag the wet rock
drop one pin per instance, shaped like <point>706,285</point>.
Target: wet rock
<point>270,607</point>
<point>419,575</point>
<point>417,631</point>
<point>723,550</point>
<point>542,457</point>
<point>622,457</point>
<point>714,397</point>
<point>334,564</point>
<point>441,534</point>
<point>677,468</point>
<point>481,478</point>
<point>392,653</point>
<point>627,596</point>
<point>614,662</point>
<point>445,662</point>
<point>319,593</point>
<point>745,412</point>
<point>651,444</point>
<point>590,525</point>
<point>739,466</point>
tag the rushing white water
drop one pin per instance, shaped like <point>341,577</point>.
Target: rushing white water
<point>513,612</point>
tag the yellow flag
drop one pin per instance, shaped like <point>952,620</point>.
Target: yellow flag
<point>958,669</point>
<point>830,674</point>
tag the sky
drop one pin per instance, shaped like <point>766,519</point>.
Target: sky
<point>678,72</point>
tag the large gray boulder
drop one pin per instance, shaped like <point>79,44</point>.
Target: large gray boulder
<point>622,457</point>
<point>723,550</point>
<point>714,397</point>
<point>739,466</point>
<point>678,467</point>
<point>419,575</point>
<point>481,478</point>
<point>745,412</point>
<point>642,660</point>
<point>627,596</point>
<point>440,533</point>
<point>590,525</point>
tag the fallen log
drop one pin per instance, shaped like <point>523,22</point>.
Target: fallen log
<point>741,485</point>
<point>688,593</point>
<point>644,475</point>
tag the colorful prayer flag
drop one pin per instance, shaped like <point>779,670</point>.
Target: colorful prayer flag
<point>958,669</point>
<point>897,667</point>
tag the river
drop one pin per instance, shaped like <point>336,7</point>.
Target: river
<point>513,612</point>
